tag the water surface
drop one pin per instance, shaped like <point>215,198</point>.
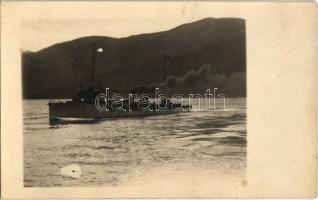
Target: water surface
<point>114,152</point>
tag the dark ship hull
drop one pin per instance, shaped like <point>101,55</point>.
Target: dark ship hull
<point>83,110</point>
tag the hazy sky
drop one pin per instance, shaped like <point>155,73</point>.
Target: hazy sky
<point>38,34</point>
<point>62,21</point>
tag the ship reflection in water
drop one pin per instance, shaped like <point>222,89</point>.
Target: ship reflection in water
<point>115,152</point>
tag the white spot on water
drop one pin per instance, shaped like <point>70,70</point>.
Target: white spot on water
<point>73,171</point>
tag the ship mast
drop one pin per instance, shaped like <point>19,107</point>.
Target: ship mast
<point>165,58</point>
<point>93,65</point>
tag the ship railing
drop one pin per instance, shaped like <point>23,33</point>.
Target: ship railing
<point>55,101</point>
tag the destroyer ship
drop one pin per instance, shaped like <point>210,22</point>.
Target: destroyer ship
<point>83,105</point>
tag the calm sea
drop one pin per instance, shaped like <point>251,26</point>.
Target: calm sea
<point>115,152</point>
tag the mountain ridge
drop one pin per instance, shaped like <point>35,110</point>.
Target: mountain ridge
<point>57,71</point>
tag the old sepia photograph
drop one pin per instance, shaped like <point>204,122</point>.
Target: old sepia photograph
<point>158,99</point>
<point>104,109</point>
